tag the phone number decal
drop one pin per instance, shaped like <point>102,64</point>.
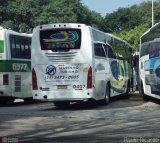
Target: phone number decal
<point>52,77</point>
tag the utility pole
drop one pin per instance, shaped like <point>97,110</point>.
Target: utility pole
<point>152,12</point>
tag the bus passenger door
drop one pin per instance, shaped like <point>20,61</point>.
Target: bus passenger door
<point>100,83</point>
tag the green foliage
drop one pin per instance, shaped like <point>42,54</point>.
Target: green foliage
<point>128,18</point>
<point>130,23</point>
<point>132,36</point>
<point>22,15</point>
<point>127,23</point>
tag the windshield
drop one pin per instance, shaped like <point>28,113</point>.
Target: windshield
<point>152,48</point>
<point>60,39</point>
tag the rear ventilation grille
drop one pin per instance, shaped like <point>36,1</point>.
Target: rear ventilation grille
<point>61,57</point>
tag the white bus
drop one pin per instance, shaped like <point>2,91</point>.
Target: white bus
<point>149,63</point>
<point>15,66</point>
<point>75,62</point>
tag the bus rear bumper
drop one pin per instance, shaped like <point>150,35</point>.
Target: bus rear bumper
<point>64,95</point>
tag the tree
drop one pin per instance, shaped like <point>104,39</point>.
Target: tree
<point>22,15</point>
<point>128,18</point>
<point>132,36</point>
<point>128,23</point>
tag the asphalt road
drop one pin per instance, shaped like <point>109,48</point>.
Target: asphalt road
<point>123,120</point>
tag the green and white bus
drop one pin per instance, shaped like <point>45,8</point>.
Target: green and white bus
<point>15,66</point>
<point>74,62</point>
<point>149,63</point>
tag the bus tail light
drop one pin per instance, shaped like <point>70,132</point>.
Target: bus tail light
<point>89,78</point>
<point>5,79</point>
<point>34,80</point>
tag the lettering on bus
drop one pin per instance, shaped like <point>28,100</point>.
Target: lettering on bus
<point>58,73</point>
<point>69,69</point>
<point>63,36</point>
<point>51,46</point>
<point>70,77</point>
<point>78,86</point>
<point>19,67</point>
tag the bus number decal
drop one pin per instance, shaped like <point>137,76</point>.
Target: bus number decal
<point>19,67</point>
<point>78,86</point>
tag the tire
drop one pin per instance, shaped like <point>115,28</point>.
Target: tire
<point>128,88</point>
<point>141,92</point>
<point>127,91</point>
<point>106,100</point>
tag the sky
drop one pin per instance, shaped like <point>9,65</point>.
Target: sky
<point>109,6</point>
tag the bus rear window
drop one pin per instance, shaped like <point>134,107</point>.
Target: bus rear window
<point>60,39</point>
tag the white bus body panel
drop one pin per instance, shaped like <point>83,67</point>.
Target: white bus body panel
<point>73,74</point>
<point>143,71</point>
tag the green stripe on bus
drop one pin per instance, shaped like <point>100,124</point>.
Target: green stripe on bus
<point>1,46</point>
<point>118,89</point>
<point>15,66</point>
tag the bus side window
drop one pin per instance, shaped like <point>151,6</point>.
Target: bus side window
<point>106,49</point>
<point>20,47</point>
<point>144,50</point>
<point>111,53</point>
<point>23,49</point>
<point>154,49</point>
<point>13,46</point>
<point>98,50</point>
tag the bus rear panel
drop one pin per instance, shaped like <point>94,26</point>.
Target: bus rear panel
<point>62,68</point>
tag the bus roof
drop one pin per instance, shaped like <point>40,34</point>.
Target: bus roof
<point>118,38</point>
<point>14,32</point>
<point>61,25</point>
<point>150,29</point>
<point>114,36</point>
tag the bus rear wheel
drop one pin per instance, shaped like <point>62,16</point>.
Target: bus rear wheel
<point>106,100</point>
<point>127,91</point>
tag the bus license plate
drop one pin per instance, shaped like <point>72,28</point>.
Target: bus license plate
<point>62,87</point>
